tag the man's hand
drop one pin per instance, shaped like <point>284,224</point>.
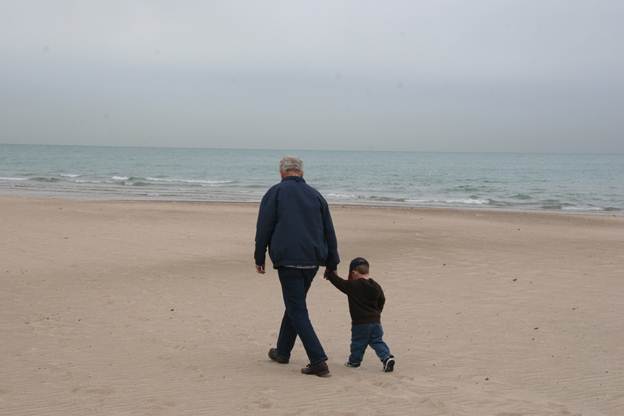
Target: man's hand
<point>260,269</point>
<point>328,272</point>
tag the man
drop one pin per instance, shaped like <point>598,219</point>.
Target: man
<point>295,224</point>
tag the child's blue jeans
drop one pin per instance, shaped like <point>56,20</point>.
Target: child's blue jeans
<point>363,335</point>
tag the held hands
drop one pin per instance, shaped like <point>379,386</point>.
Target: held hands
<point>329,273</point>
<point>260,269</point>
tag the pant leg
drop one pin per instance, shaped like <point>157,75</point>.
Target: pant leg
<point>295,284</point>
<point>288,332</point>
<point>308,277</point>
<point>287,336</point>
<point>359,341</point>
<point>376,342</point>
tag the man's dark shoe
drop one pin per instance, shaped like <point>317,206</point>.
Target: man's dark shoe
<point>352,365</point>
<point>388,364</point>
<point>275,356</point>
<point>319,369</point>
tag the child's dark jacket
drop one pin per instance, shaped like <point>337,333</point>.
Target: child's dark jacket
<point>366,298</point>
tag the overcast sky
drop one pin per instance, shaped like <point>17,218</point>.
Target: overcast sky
<point>443,75</point>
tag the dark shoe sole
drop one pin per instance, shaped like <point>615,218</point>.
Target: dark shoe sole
<point>389,365</point>
<point>274,356</point>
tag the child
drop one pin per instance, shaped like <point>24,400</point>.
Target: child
<point>366,301</point>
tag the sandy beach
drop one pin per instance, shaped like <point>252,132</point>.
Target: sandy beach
<point>150,308</point>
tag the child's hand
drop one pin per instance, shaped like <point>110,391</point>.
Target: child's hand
<point>329,273</point>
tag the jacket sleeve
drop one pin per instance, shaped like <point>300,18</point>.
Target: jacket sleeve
<point>267,217</point>
<point>330,237</point>
<point>381,301</point>
<point>340,283</point>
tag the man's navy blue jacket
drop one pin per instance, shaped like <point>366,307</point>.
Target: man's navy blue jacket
<point>295,224</point>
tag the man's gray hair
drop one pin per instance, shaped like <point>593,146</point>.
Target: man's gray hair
<point>291,163</point>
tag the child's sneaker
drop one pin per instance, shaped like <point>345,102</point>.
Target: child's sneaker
<point>388,364</point>
<point>352,365</point>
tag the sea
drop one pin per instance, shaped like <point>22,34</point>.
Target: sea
<point>516,181</point>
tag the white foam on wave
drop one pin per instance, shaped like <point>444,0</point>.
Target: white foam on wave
<point>581,208</point>
<point>120,178</point>
<point>69,175</point>
<point>86,181</point>
<point>341,196</point>
<point>2,178</point>
<point>468,201</point>
<point>199,181</point>
<point>455,201</point>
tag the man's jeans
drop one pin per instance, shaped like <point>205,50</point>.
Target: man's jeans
<point>363,335</point>
<point>295,285</point>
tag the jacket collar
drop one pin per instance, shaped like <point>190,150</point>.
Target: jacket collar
<point>294,178</point>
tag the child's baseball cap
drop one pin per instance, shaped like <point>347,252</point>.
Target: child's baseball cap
<point>358,261</point>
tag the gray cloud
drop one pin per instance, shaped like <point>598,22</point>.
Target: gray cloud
<point>489,75</point>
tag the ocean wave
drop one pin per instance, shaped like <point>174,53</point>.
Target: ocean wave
<point>382,198</point>
<point>191,181</point>
<point>465,188</point>
<point>87,181</point>
<point>150,180</point>
<point>590,207</point>
<point>131,180</point>
<point>431,201</point>
<point>341,196</point>
<point>44,179</point>
<point>8,178</point>
<point>555,204</point>
<point>582,208</point>
<point>504,204</point>
<point>521,196</point>
<point>469,201</point>
<point>69,175</point>
<point>451,201</point>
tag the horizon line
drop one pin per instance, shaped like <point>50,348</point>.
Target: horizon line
<point>312,149</point>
